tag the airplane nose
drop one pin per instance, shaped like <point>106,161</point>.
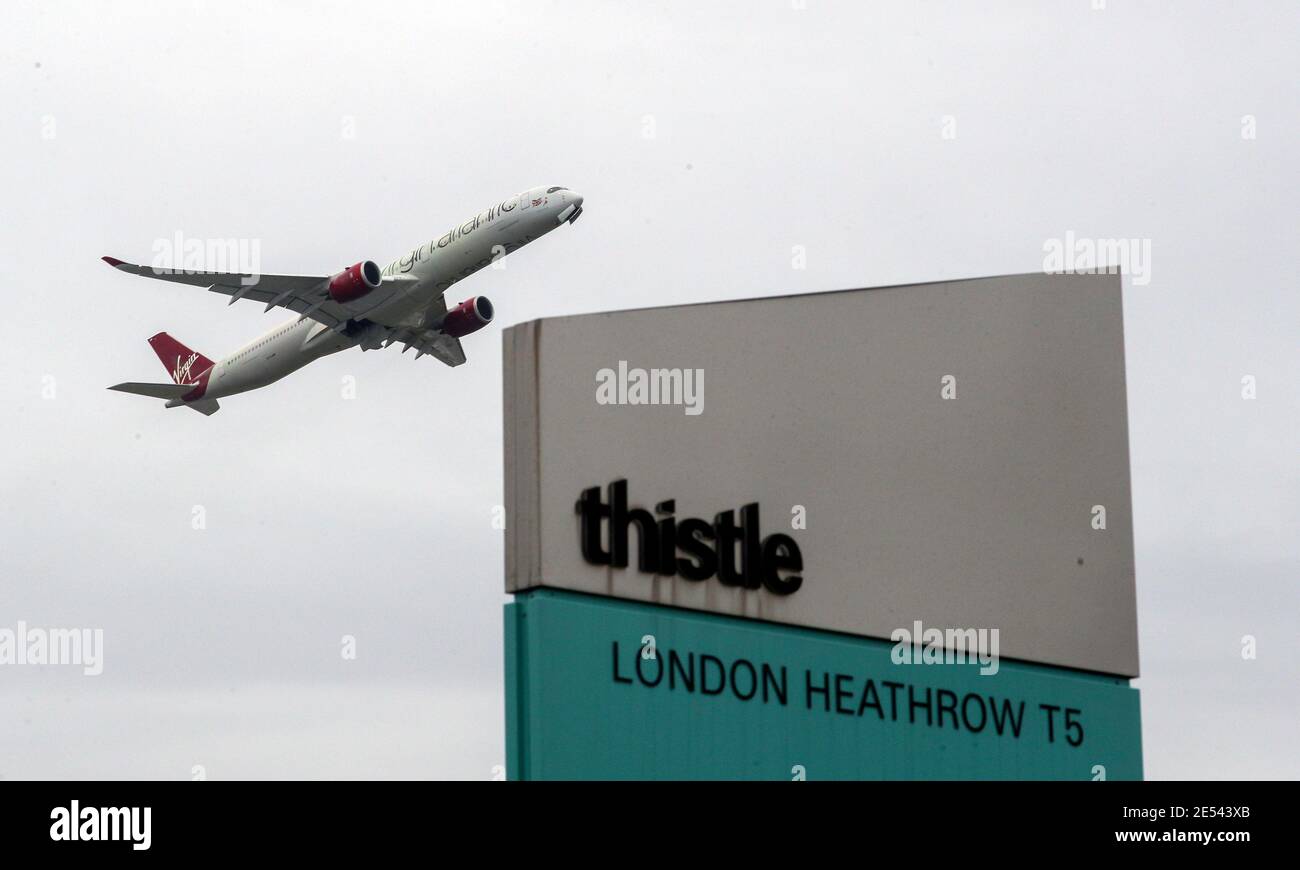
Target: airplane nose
<point>572,207</point>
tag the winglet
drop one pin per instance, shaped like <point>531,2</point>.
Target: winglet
<point>113,261</point>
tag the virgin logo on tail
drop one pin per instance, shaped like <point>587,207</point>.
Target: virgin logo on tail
<point>181,373</point>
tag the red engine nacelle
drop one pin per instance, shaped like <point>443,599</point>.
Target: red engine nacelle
<point>469,316</point>
<point>354,282</point>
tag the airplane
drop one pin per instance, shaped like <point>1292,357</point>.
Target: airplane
<point>362,305</point>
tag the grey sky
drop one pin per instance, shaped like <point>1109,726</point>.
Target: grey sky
<point>709,139</point>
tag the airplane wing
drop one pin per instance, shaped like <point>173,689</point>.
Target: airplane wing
<point>444,348</point>
<point>306,294</point>
<point>417,334</point>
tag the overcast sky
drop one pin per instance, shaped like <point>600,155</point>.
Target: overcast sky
<point>895,142</point>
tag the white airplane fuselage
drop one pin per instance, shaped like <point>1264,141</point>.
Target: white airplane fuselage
<point>434,267</point>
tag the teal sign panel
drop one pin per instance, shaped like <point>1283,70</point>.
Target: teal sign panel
<point>600,688</point>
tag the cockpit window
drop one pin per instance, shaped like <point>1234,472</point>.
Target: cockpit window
<point>553,189</point>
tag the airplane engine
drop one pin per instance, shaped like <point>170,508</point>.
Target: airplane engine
<point>469,316</point>
<point>354,282</point>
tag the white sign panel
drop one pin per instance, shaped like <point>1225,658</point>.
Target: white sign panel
<point>948,456</point>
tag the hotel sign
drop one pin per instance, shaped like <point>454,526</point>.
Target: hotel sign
<point>953,453</point>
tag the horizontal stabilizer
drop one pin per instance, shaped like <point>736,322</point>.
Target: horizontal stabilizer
<point>156,391</point>
<point>206,407</point>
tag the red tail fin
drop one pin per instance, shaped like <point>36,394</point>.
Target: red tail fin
<point>184,364</point>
